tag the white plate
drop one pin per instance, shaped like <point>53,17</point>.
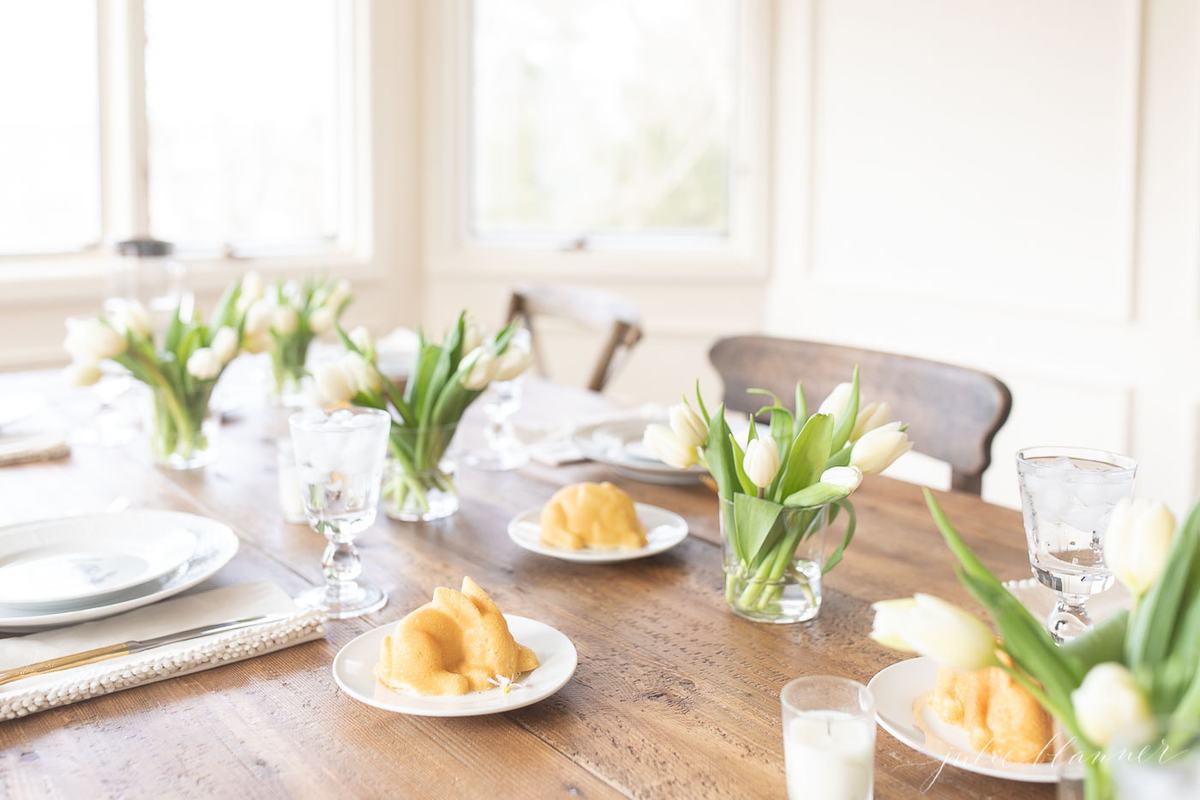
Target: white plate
<point>664,530</point>
<point>354,671</point>
<point>74,560</point>
<point>216,544</point>
<point>617,444</point>
<point>896,689</point>
<point>16,406</point>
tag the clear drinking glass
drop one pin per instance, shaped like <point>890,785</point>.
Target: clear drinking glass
<point>828,738</point>
<point>340,456</point>
<point>502,450</point>
<point>1067,496</point>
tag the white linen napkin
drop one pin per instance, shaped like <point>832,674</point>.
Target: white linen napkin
<point>39,692</point>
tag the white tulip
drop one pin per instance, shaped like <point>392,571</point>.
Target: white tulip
<point>252,290</point>
<point>366,379</point>
<point>665,445</point>
<point>1110,707</point>
<point>334,382</point>
<point>877,449</point>
<point>687,425</point>
<point>225,344</point>
<point>932,627</point>
<point>321,320</point>
<point>472,335</point>
<point>258,319</point>
<point>284,320</point>
<point>835,403</point>
<point>256,342</point>
<point>362,339</point>
<point>339,295</point>
<point>873,416</point>
<point>82,373</point>
<point>482,370</point>
<point>130,316</point>
<point>761,461</point>
<point>849,478</point>
<point>1138,541</point>
<point>204,364</point>
<point>90,340</point>
<point>512,363</point>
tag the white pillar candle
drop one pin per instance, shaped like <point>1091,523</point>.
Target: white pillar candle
<point>829,755</point>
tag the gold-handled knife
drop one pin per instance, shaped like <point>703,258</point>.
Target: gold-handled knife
<point>98,654</point>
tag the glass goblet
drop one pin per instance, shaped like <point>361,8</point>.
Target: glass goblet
<point>1067,497</point>
<point>340,457</point>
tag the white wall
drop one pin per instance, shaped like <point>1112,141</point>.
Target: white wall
<point>1011,186</point>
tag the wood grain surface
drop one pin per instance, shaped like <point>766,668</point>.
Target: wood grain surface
<point>674,695</point>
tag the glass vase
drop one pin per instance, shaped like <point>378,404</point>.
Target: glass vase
<point>783,586</point>
<point>183,430</point>
<point>419,495</point>
<point>287,383</point>
<point>418,483</point>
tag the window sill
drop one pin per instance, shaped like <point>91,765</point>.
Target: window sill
<point>44,280</point>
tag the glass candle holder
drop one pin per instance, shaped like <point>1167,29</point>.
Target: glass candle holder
<point>291,488</point>
<point>828,738</point>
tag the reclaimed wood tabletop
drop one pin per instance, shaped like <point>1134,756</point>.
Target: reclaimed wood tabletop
<point>674,696</point>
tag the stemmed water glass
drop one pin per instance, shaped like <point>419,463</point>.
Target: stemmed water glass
<point>1067,496</point>
<point>502,449</point>
<point>340,456</point>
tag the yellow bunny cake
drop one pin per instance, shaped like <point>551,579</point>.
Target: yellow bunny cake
<point>595,515</point>
<point>452,646</point>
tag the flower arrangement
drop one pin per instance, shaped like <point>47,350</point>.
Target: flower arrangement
<point>1131,684</point>
<point>181,369</point>
<point>288,317</point>
<point>445,380</point>
<point>782,488</point>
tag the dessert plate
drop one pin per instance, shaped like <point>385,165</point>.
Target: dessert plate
<point>354,672</point>
<point>898,692</point>
<point>54,564</point>
<point>664,530</point>
<point>215,545</point>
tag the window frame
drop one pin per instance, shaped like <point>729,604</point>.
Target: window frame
<point>358,251</point>
<point>452,250</point>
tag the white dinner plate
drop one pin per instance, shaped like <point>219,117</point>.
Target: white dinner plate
<point>72,561</point>
<point>897,688</point>
<point>616,443</point>
<point>215,545</point>
<point>354,672</point>
<point>16,406</point>
<point>664,530</point>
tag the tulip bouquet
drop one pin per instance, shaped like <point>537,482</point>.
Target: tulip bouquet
<point>445,380</point>
<point>1130,687</point>
<point>287,319</point>
<point>782,488</point>
<point>181,370</point>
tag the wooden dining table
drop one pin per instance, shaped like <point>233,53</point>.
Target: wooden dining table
<point>674,696</point>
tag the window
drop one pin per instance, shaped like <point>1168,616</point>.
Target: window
<point>223,126</point>
<point>49,127</point>
<point>593,123</point>
<point>242,113</point>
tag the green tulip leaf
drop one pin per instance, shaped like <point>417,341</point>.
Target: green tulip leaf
<point>845,427</point>
<point>817,495</point>
<point>805,459</point>
<point>755,525</point>
<point>718,455</point>
<point>738,456</point>
<point>801,411</point>
<point>1153,622</point>
<point>835,557</point>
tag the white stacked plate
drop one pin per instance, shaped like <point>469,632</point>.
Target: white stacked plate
<point>617,443</point>
<point>84,567</point>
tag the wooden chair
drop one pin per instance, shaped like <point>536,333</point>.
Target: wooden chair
<point>593,309</point>
<point>953,412</point>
